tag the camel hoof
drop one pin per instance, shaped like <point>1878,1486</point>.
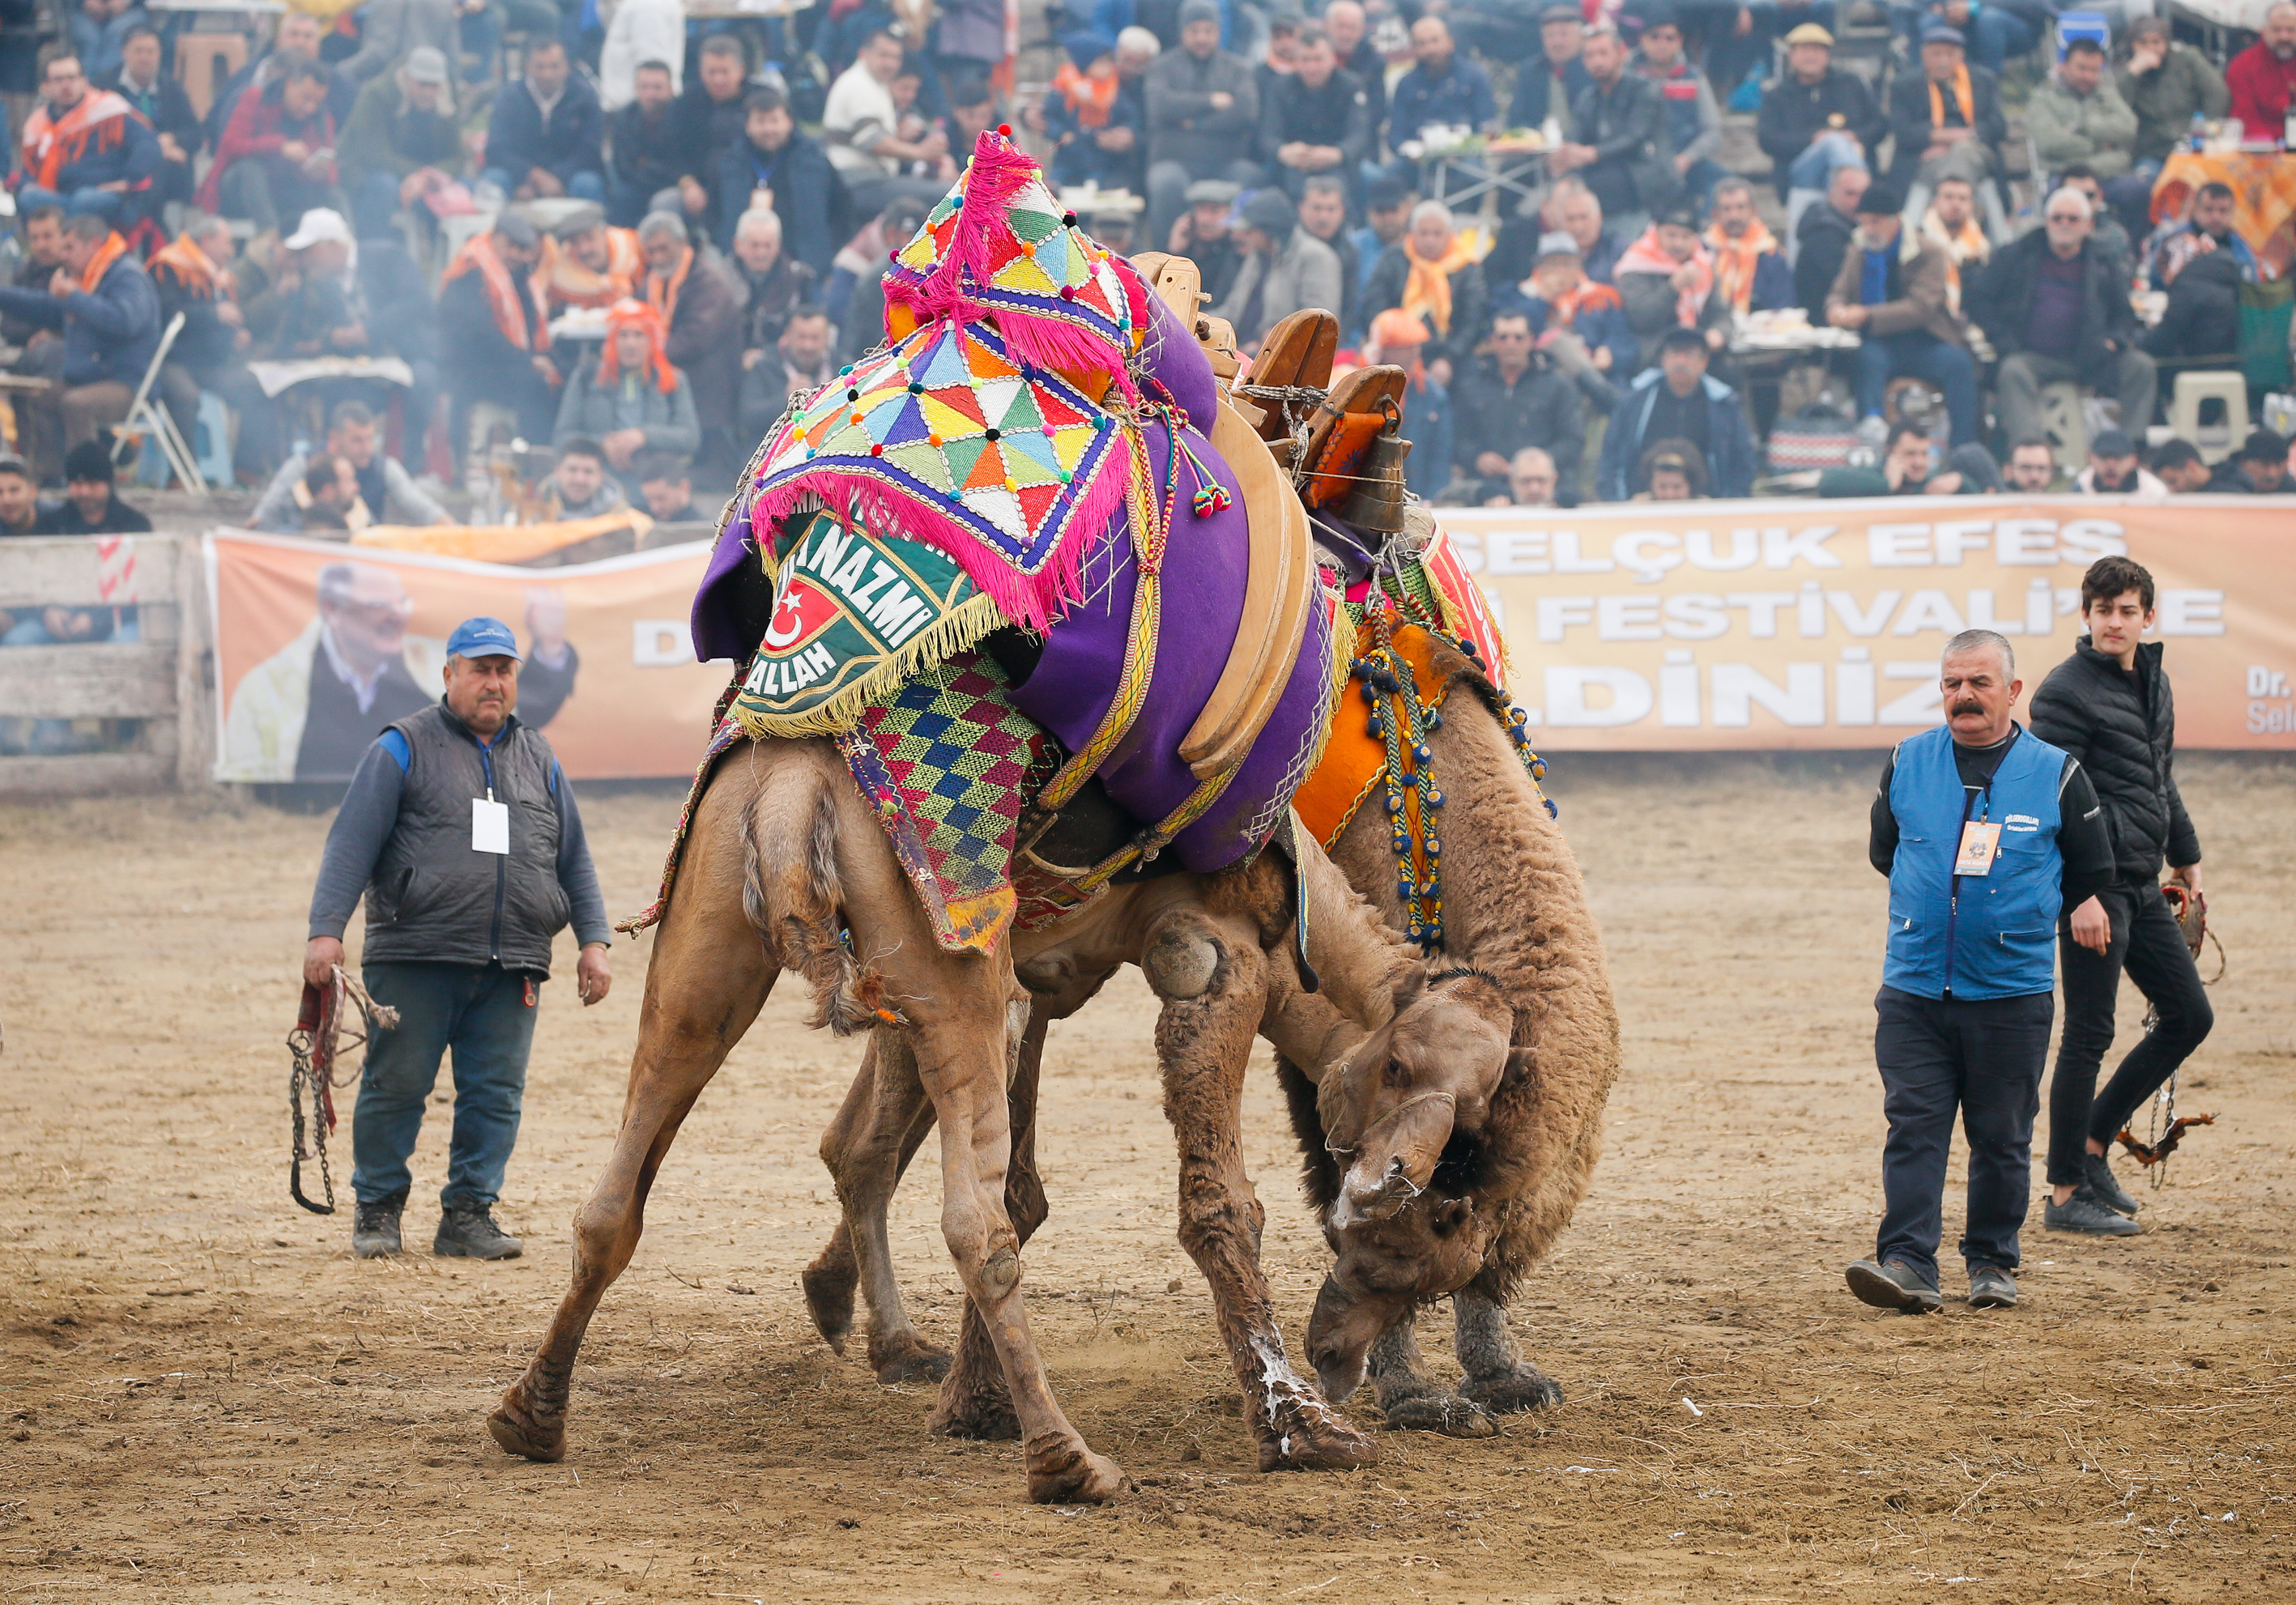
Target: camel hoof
<point>910,1360</point>
<point>982,1419</point>
<point>829,1301</point>
<point>1072,1474</point>
<point>1447,1413</point>
<point>520,1433</point>
<point>1330,1445</point>
<point>1525,1388</point>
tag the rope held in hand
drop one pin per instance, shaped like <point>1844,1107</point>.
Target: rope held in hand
<point>319,1036</point>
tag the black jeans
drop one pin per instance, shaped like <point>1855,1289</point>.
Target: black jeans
<point>2145,940</point>
<point>1983,1059</point>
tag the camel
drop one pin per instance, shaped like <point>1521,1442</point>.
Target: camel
<point>785,868</point>
<point>1452,1188</point>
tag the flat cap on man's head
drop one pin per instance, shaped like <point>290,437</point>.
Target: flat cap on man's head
<point>1881,199</point>
<point>579,221</point>
<point>1939,33</point>
<point>484,637</point>
<point>1271,212</point>
<point>1679,339</point>
<point>517,230</point>
<point>1809,33</point>
<point>1199,10</point>
<point>1556,242</point>
<point>1213,191</point>
<point>425,64</point>
<point>1560,13</point>
<point>2112,443</point>
<point>2262,446</point>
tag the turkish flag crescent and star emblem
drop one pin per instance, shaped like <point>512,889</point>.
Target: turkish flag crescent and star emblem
<point>801,612</point>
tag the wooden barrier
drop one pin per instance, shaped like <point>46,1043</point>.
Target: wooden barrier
<point>161,678</point>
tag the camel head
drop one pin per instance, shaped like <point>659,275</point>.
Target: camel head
<point>1403,1118</point>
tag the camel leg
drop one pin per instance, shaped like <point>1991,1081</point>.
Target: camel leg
<point>1212,977</point>
<point>1409,1398</point>
<point>868,1146</point>
<point>1498,1377</point>
<point>708,978</point>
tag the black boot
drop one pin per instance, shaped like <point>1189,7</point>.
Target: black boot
<point>473,1234</point>
<point>375,1228</point>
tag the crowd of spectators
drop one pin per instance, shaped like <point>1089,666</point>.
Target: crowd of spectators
<point>407,233</point>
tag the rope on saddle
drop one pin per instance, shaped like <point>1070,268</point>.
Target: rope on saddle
<point>318,1038</point>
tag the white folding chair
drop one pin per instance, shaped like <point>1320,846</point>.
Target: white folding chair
<point>145,416</point>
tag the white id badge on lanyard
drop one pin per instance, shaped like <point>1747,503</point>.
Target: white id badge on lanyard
<point>1979,843</point>
<point>489,824</point>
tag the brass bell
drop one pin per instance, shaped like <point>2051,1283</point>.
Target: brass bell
<point>1376,502</point>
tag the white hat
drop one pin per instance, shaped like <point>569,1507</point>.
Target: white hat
<point>320,223</point>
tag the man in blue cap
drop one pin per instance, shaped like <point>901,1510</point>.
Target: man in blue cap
<point>460,830</point>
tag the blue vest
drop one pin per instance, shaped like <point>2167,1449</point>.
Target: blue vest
<point>1974,937</point>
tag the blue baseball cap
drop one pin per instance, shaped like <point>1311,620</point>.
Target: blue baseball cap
<point>484,637</point>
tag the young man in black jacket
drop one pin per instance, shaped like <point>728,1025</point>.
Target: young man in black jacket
<point>2108,705</point>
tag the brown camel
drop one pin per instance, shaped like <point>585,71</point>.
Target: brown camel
<point>1450,1188</point>
<point>785,868</point>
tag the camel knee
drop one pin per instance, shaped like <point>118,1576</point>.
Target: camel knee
<point>1183,959</point>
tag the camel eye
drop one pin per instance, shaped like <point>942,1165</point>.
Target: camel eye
<point>1395,1074</point>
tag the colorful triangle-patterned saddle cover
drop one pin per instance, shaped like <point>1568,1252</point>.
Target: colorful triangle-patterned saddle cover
<point>949,439</point>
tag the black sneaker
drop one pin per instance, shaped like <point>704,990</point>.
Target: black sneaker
<point>2083,1213</point>
<point>2108,1192</point>
<point>1991,1288</point>
<point>473,1234</point>
<point>375,1229</point>
<point>1893,1286</point>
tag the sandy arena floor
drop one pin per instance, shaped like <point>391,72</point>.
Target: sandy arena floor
<point>203,1396</point>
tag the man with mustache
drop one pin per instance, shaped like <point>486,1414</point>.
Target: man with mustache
<point>1985,832</point>
<point>460,833</point>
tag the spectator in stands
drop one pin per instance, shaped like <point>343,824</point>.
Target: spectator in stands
<point>1387,215</point>
<point>1671,470</point>
<point>1822,239</point>
<point>969,39</point>
<point>640,31</point>
<point>388,492</point>
<point>102,302</point>
<point>90,506</point>
<point>861,131</point>
<point>2032,466</point>
<point>579,486</point>
<point>2167,85</point>
<point>83,149</point>
<point>296,39</point>
<point>389,29</point>
<point>2260,79</point>
<point>1579,325</point>
<point>1667,281</point>
<point>2202,277</point>
<point>586,263</point>
<point>1204,110</point>
<point>1950,224</point>
<point>974,108</point>
<point>1679,400</point>
<point>1750,271</point>
<point>492,331</point>
<point>319,305</point>
<point>1531,481</point>
<point>2260,468</point>
<point>2210,231</point>
<point>1579,213</point>
<point>1909,468</point>
<point>2057,311</point>
<point>856,297</point>
<point>19,509</point>
<point>1281,40</point>
<point>1946,117</point>
<point>1324,216</point>
<point>802,364</point>
<point>44,253</point>
<point>656,144</point>
<point>99,28</point>
<point>1547,84</point>
<point>1443,88</point>
<point>1512,399</point>
<point>1891,293</point>
<point>1096,125</point>
<point>193,276</point>
<point>807,195</point>
<point>666,480</point>
<point>2113,468</point>
<point>1349,33</point>
<point>161,100</point>
<point>1399,337</point>
<point>1694,118</point>
<point>628,396</point>
<point>2178,465</point>
<point>1432,275</point>
<point>1314,119</point>
<point>1201,234</point>
<point>1618,144</point>
<point>2077,115</point>
<point>326,498</point>
<point>401,142</point>
<point>277,158</point>
<point>545,137</point>
<point>701,321</point>
<point>772,283</point>
<point>1816,116</point>
<point>2106,233</point>
<point>1285,268</point>
<point>715,108</point>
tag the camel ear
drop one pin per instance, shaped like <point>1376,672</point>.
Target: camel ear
<point>1409,985</point>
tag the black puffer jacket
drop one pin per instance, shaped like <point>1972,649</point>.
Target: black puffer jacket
<point>2123,730</point>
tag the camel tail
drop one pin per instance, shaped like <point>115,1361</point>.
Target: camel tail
<point>792,895</point>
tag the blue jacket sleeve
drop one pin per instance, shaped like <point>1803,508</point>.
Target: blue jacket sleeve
<point>363,822</point>
<point>33,306</point>
<point>576,873</point>
<point>589,139</point>
<point>124,306</point>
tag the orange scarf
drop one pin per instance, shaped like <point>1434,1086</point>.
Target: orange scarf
<point>49,145</point>
<point>1734,260</point>
<point>1089,99</point>
<point>566,282</point>
<point>1963,96</point>
<point>192,268</point>
<point>1428,288</point>
<point>662,293</point>
<point>1969,245</point>
<point>509,309</point>
<point>1588,295</point>
<point>113,249</point>
<point>637,315</point>
<point>1645,255</point>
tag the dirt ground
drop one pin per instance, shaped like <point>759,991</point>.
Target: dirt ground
<point>203,1396</point>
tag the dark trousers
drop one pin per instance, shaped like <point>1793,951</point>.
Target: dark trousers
<point>480,1011</point>
<point>1924,355</point>
<point>2146,942</point>
<point>1983,1059</point>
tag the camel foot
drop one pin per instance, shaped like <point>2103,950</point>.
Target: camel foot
<point>829,1301</point>
<point>1525,1388</point>
<point>1063,1471</point>
<point>1447,1413</point>
<point>907,1358</point>
<point>520,1431</point>
<point>1312,1443</point>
